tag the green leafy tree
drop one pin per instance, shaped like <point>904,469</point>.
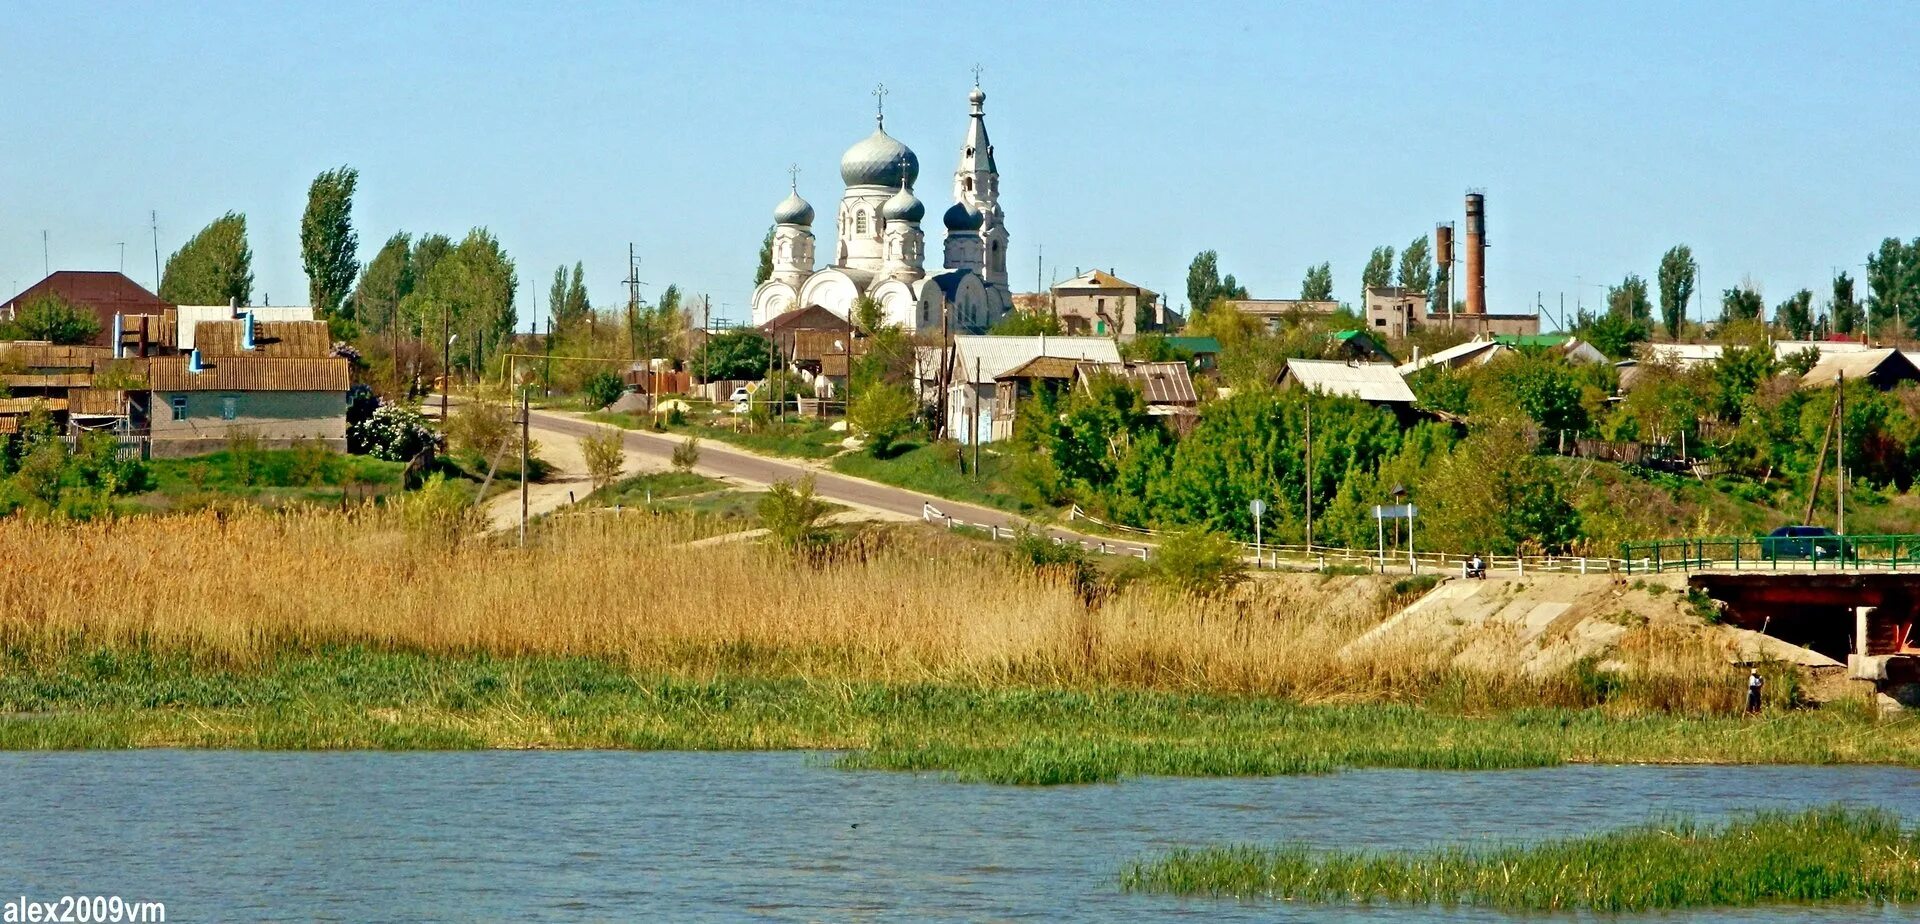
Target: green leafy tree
<point>605,453</point>
<point>1737,374</point>
<point>49,317</point>
<point>1027,324</point>
<point>1893,274</point>
<point>740,353</point>
<point>328,244</point>
<point>1547,392</point>
<point>1318,284</point>
<point>471,287</point>
<point>868,316</point>
<point>1416,266</point>
<point>384,283</point>
<point>601,389</point>
<point>1493,494</point>
<point>1613,334</point>
<point>1678,275</point>
<point>215,267</point>
<point>883,413</point>
<point>1741,303</point>
<point>1844,309</point>
<point>765,270</point>
<point>1796,314</point>
<point>1379,270</point>
<point>1205,285</point>
<point>1629,300</point>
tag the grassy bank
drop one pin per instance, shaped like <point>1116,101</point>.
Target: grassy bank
<point>934,469</point>
<point>796,439</point>
<point>1832,855</point>
<point>361,697</point>
<point>269,477</point>
<point>375,628</point>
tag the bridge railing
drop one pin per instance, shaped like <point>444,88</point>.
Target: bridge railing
<point>1774,553</point>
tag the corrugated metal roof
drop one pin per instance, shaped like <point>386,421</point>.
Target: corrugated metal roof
<point>38,354</point>
<point>188,318</point>
<point>1473,352</point>
<point>1195,345</point>
<point>271,339</point>
<point>982,358</point>
<point>1375,382</point>
<point>252,373</point>
<point>1041,367</point>
<point>1095,279</point>
<point>1882,367</point>
<point>1164,383</point>
<point>53,380</point>
<point>11,406</point>
<point>812,317</point>
<point>1685,354</point>
<point>97,402</point>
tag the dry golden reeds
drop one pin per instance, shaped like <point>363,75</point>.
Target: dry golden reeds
<point>894,607</point>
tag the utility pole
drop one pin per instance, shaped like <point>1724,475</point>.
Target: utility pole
<point>446,361</point>
<point>1309,490</point>
<point>973,394</point>
<point>123,258</point>
<point>153,218</point>
<point>46,259</point>
<point>525,417</point>
<point>633,299</point>
<point>706,336</point>
<point>1840,454</point>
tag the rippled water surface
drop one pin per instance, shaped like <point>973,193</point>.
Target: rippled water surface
<point>582,836</point>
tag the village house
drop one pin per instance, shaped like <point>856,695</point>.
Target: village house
<point>1102,304</point>
<point>276,380</point>
<point>978,361</point>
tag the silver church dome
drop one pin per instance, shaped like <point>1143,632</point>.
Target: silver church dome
<point>903,206</point>
<point>875,161</point>
<point>964,217</point>
<point>793,210</point>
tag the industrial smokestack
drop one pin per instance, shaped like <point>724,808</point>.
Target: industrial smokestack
<point>1443,254</point>
<point>1476,252</point>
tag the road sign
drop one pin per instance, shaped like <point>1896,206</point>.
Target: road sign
<point>1395,512</point>
<point>1257,507</point>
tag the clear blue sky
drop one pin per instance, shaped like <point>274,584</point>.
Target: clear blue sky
<point>1779,141</point>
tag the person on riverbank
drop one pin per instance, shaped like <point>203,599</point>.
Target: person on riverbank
<point>1754,683</point>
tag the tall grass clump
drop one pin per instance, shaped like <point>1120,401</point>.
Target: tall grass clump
<point>1827,855</point>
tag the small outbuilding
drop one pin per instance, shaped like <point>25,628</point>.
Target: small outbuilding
<point>1374,383</point>
<point>1883,368</point>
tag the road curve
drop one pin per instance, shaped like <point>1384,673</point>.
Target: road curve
<point>728,462</point>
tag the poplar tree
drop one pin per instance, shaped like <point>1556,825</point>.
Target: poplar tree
<point>215,267</point>
<point>328,245</point>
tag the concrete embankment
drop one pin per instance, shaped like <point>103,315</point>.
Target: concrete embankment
<point>1547,623</point>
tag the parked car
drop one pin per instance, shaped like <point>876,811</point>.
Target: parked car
<point>1804,542</point>
<point>742,400</point>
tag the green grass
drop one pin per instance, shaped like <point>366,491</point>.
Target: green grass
<point>1830,855</point>
<point>360,697</point>
<point>794,438</point>
<point>274,477</point>
<point>934,469</point>
<point>637,490</point>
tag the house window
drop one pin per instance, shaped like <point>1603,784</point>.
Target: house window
<point>1379,322</point>
<point>179,403</point>
<point>1100,327</point>
<point>229,407</point>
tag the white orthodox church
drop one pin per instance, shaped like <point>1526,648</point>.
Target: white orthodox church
<point>879,249</point>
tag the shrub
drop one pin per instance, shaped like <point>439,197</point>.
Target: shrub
<point>883,413</point>
<point>791,513</point>
<point>483,430</point>
<point>441,511</point>
<point>1198,563</point>
<point>687,454</point>
<point>243,449</point>
<point>394,433</point>
<point>601,389</point>
<point>605,453</point>
<point>313,463</point>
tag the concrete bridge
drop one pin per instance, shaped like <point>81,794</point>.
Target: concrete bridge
<point>1864,617</point>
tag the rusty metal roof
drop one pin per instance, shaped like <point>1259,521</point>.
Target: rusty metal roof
<point>1042,367</point>
<point>38,354</point>
<point>99,402</point>
<point>251,373</point>
<point>271,339</point>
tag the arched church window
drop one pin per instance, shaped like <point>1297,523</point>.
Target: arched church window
<point>859,222</point>
<point>966,183</point>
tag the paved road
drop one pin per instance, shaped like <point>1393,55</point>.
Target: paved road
<point>729,462</point>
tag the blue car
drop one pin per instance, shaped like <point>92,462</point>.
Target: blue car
<point>1817,542</point>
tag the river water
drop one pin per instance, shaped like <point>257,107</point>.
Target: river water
<point>611,836</point>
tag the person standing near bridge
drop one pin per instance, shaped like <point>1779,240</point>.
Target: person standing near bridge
<point>1754,683</point>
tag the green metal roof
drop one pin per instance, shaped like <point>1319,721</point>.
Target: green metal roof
<point>1531,340</point>
<point>1195,344</point>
